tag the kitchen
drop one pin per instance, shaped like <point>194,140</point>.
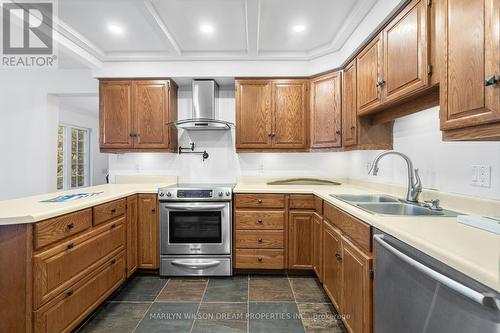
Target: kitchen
<point>251,166</point>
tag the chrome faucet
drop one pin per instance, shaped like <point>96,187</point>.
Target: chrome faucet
<point>414,183</point>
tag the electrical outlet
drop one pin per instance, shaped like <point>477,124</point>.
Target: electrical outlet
<point>481,175</point>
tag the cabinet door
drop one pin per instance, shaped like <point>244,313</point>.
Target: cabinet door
<point>131,234</point>
<point>332,266</point>
<point>148,242</point>
<point>300,243</point>
<point>473,55</point>
<point>369,73</point>
<point>253,114</point>
<point>151,114</point>
<point>357,291</point>
<point>317,242</point>
<point>349,113</point>
<point>326,105</point>
<point>115,115</point>
<point>290,114</point>
<point>405,52</point>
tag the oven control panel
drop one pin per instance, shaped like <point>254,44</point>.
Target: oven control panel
<point>195,194</point>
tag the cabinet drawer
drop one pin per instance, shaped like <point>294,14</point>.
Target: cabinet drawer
<point>302,201</point>
<point>69,308</point>
<point>356,230</point>
<point>57,268</point>
<point>260,201</point>
<point>53,230</point>
<point>260,219</point>
<point>107,211</point>
<point>265,259</point>
<point>259,239</point>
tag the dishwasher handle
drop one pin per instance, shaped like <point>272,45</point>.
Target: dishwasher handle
<point>483,299</point>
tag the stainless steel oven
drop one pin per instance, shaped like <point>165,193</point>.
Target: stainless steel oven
<point>195,230</point>
<point>195,227</point>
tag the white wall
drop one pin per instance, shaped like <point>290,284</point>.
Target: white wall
<point>444,166</point>
<point>28,127</point>
<point>90,120</point>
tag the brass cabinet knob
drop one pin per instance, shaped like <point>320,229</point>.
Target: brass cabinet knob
<point>259,259</point>
<point>259,240</point>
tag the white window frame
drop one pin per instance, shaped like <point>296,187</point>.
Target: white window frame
<point>67,157</point>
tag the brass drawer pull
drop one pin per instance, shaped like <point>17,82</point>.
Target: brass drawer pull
<point>113,261</point>
<point>70,226</point>
<point>259,259</point>
<point>259,240</point>
<point>69,293</point>
<point>113,210</point>
<point>70,246</point>
<point>113,226</point>
<point>259,221</point>
<point>259,201</point>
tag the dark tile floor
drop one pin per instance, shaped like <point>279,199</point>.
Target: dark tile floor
<point>217,305</point>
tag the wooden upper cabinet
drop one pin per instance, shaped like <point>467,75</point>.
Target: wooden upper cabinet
<point>134,115</point>
<point>290,114</point>
<point>405,52</point>
<point>349,113</point>
<point>115,116</point>
<point>151,114</point>
<point>472,56</point>
<point>253,114</point>
<point>370,76</point>
<point>271,114</point>
<point>326,104</point>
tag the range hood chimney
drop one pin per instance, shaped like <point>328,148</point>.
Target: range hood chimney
<point>204,114</point>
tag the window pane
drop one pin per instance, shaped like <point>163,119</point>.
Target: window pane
<point>79,158</point>
<point>60,157</point>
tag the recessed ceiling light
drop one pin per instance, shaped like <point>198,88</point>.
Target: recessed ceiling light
<point>299,28</point>
<point>116,29</point>
<point>206,28</point>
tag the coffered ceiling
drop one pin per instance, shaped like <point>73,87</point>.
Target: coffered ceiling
<point>142,30</point>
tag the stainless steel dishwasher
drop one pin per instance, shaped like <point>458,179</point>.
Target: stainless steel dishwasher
<point>416,293</point>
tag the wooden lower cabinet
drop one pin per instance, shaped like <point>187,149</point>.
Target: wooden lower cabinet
<point>148,232</point>
<point>60,267</point>
<point>332,265</point>
<point>132,219</point>
<point>317,244</point>
<point>357,288</point>
<point>67,310</point>
<point>300,240</point>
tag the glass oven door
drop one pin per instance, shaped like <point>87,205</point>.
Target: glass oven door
<point>195,228</point>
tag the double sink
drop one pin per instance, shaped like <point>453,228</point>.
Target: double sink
<point>388,205</point>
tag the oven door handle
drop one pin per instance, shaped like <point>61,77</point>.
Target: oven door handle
<point>199,265</point>
<point>194,207</point>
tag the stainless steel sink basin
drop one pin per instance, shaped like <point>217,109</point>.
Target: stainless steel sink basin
<point>404,209</point>
<point>365,198</point>
<point>387,205</point>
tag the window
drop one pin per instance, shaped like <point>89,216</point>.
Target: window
<point>73,155</point>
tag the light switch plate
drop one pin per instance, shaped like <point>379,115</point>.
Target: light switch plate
<point>481,176</point>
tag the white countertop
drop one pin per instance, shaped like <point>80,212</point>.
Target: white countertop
<point>469,250</point>
<point>30,209</point>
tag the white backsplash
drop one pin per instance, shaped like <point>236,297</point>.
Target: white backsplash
<point>445,166</point>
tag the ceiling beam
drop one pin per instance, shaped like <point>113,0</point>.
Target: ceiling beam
<point>252,14</point>
<point>163,27</point>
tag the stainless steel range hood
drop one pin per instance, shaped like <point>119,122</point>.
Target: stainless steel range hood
<point>204,116</point>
